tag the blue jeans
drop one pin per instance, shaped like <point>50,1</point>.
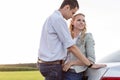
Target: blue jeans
<point>72,76</point>
<point>51,71</point>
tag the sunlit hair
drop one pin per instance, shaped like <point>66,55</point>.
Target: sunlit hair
<point>72,27</point>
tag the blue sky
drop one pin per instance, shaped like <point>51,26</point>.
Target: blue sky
<point>21,23</point>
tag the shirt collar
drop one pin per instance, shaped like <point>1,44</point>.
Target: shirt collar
<point>59,13</point>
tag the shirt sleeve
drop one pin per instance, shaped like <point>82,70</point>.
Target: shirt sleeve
<point>63,33</point>
<point>90,47</point>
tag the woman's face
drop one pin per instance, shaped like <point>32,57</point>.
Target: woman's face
<point>79,22</point>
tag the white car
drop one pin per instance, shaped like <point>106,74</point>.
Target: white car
<point>111,72</point>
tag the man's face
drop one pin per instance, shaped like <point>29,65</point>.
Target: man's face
<point>70,13</point>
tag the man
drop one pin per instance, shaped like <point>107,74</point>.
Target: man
<point>56,40</point>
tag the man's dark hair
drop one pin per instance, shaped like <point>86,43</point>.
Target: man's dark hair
<point>73,4</point>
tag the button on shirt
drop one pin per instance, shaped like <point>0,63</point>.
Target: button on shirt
<point>55,38</point>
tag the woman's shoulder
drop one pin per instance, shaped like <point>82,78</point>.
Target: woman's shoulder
<point>89,38</point>
<point>88,35</point>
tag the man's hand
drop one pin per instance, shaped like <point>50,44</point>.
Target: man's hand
<point>97,66</point>
<point>67,65</point>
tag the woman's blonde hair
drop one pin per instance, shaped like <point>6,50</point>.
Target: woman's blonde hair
<point>72,27</point>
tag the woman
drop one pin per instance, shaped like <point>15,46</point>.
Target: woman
<point>85,42</point>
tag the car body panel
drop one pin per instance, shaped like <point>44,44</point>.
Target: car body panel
<point>96,74</point>
<point>112,70</point>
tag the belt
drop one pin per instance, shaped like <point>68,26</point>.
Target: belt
<point>51,62</point>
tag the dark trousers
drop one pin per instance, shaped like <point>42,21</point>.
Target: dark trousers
<point>72,76</point>
<point>51,71</point>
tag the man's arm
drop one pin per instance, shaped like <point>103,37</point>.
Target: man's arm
<point>82,60</point>
<point>75,50</point>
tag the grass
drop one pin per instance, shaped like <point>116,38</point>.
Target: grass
<point>21,75</point>
<point>19,67</point>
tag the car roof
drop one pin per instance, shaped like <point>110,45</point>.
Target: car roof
<point>113,57</point>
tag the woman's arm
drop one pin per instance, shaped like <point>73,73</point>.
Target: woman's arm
<point>89,47</point>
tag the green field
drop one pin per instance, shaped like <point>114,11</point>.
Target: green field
<point>21,75</point>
